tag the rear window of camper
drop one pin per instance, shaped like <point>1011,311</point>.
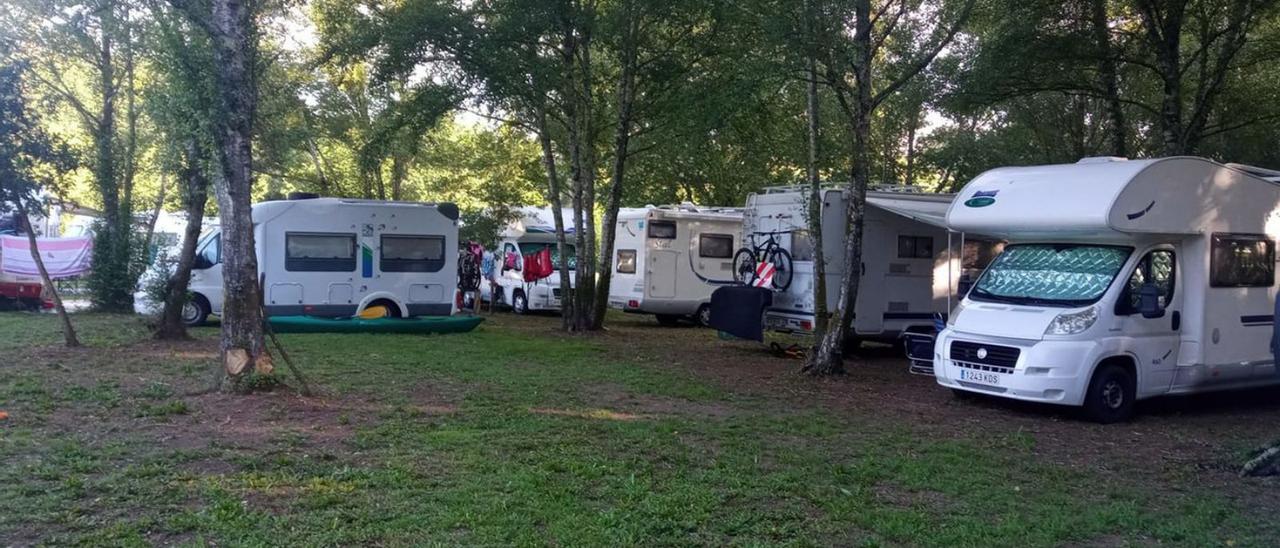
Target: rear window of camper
<point>319,252</point>
<point>1242,260</point>
<point>627,261</point>
<point>402,253</point>
<point>715,246</point>
<point>665,230</point>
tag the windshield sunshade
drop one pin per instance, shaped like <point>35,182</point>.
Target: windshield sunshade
<point>1065,275</point>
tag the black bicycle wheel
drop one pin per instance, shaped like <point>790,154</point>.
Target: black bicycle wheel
<point>782,269</point>
<point>744,266</point>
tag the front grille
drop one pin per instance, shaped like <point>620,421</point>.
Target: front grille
<point>996,356</point>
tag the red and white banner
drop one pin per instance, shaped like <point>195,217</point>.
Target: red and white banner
<point>63,257</point>
<point>764,274</point>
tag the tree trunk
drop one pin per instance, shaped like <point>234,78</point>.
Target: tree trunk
<point>557,215</point>
<point>621,145</point>
<point>176,296</point>
<point>1109,78</point>
<point>820,312</point>
<point>235,43</point>
<point>68,332</point>
<point>110,252</point>
<point>587,251</point>
<point>399,170</point>
<point>829,357</point>
<point>1163,28</point>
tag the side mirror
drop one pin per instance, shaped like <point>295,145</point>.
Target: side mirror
<point>1149,301</point>
<point>200,263</point>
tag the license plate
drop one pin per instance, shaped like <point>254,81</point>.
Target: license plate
<point>980,377</point>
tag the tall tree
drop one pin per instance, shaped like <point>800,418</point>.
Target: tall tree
<point>27,157</point>
<point>850,72</point>
<point>97,37</point>
<point>232,29</point>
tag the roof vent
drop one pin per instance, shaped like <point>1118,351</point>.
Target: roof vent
<point>1101,159</point>
<point>303,196</point>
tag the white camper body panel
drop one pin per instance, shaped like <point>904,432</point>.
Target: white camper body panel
<point>908,273</point>
<point>668,260</point>
<point>333,257</point>
<point>533,229</point>
<point>1211,335</point>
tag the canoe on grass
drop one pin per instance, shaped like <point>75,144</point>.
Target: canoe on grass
<point>421,324</point>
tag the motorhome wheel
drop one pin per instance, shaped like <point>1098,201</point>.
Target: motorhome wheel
<point>1111,395</point>
<point>703,315</point>
<point>195,312</point>
<point>519,304</point>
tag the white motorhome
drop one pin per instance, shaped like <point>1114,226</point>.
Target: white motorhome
<point>335,257</point>
<point>532,231</point>
<point>909,270</point>
<point>668,260</point>
<point>1122,280</point>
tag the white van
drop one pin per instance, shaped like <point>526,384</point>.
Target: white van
<point>1122,280</point>
<point>334,257</point>
<point>668,260</point>
<point>532,231</point>
<point>909,270</point>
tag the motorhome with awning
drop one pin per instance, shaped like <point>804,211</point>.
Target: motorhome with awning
<point>668,260</point>
<point>910,267</point>
<point>1121,280</point>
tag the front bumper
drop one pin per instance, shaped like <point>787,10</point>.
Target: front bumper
<point>1046,371</point>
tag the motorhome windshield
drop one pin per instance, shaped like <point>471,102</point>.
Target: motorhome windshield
<point>531,248</point>
<point>1050,274</point>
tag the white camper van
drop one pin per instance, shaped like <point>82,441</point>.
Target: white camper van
<point>334,257</point>
<point>668,260</point>
<point>1122,280</point>
<point>909,271</point>
<point>532,231</point>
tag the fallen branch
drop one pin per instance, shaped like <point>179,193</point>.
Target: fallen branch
<point>1265,464</point>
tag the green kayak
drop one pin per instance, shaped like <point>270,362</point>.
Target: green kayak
<point>421,324</point>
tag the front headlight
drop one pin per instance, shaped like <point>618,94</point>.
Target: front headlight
<point>1071,323</point>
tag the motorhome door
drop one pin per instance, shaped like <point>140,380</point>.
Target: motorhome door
<point>872,298</point>
<point>1155,340</point>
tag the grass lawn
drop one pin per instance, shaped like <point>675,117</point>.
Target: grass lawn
<point>515,434</point>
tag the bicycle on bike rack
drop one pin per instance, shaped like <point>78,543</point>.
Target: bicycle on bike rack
<point>746,261</point>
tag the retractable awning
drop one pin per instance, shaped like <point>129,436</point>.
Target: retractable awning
<point>930,212</point>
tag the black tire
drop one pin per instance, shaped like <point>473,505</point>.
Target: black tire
<point>1111,396</point>
<point>196,312</point>
<point>703,315</point>
<point>783,269</point>
<point>519,303</point>
<point>667,320</point>
<point>744,266</point>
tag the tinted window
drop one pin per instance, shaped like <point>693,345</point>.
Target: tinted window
<point>319,252</point>
<point>1242,260</point>
<point>665,230</point>
<point>411,253</point>
<point>915,247</point>
<point>715,246</point>
<point>1156,268</point>
<point>627,261</point>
